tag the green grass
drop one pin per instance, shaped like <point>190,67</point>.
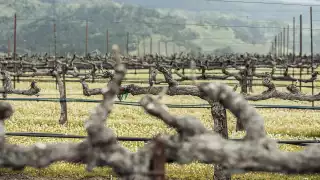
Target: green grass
<point>134,122</point>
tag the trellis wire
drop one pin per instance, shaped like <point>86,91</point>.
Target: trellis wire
<point>130,103</point>
<point>139,139</point>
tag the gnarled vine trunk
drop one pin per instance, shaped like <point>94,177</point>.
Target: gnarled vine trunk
<point>220,126</point>
<point>63,104</point>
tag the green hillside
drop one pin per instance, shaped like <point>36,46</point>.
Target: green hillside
<point>180,28</point>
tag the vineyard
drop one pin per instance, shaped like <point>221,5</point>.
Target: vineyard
<point>159,117</point>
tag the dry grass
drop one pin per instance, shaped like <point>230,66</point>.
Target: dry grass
<point>133,121</point>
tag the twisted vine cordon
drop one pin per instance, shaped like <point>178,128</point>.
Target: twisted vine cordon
<point>193,142</point>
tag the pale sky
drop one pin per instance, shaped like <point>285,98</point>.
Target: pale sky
<point>302,1</point>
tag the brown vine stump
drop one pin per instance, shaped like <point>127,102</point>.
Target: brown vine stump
<point>158,161</point>
<point>244,90</point>
<point>63,99</point>
<point>219,116</point>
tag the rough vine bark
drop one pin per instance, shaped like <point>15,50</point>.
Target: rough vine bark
<point>87,91</point>
<point>218,111</point>
<point>8,88</point>
<point>220,126</point>
<point>63,103</point>
<point>241,77</point>
<point>192,142</point>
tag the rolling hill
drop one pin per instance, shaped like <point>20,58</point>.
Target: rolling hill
<point>190,30</point>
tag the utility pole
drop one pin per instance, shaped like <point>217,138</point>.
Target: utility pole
<point>55,39</point>
<point>277,38</point>
<point>311,46</point>
<point>127,45</point>
<point>8,47</point>
<point>107,41</point>
<point>159,43</point>
<point>311,38</point>
<point>174,48</point>
<point>288,40</point>
<point>144,46</point>
<point>138,47</point>
<point>294,39</point>
<point>150,45</point>
<point>54,31</point>
<point>166,48</point>
<point>15,48</point>
<point>280,38</point>
<point>15,37</point>
<point>279,48</point>
<point>284,41</point>
<point>275,46</point>
<point>300,54</point>
<point>86,51</point>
